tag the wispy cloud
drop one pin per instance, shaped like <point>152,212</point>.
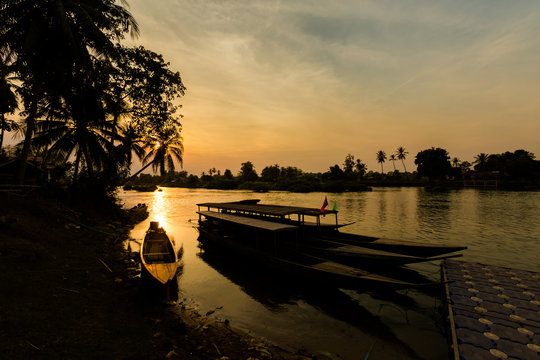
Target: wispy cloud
<point>363,75</point>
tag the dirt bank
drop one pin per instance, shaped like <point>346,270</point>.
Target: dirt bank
<point>70,292</point>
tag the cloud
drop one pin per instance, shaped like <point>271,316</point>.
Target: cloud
<point>362,75</point>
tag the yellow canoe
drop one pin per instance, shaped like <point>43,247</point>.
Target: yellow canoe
<point>158,256</point>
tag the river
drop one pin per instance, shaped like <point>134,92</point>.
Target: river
<point>498,227</point>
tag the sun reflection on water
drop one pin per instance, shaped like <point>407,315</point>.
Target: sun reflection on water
<point>159,209</point>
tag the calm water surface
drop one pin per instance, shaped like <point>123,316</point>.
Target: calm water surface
<point>501,228</point>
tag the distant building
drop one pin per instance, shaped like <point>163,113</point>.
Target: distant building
<point>34,173</point>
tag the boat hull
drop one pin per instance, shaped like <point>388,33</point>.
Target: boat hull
<point>159,261</point>
<point>303,265</point>
<point>410,248</point>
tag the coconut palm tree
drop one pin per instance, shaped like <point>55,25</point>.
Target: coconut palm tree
<point>163,149</point>
<point>393,160</point>
<point>130,142</point>
<point>64,137</point>
<point>54,42</point>
<point>480,161</point>
<point>381,158</point>
<point>8,100</point>
<point>402,155</point>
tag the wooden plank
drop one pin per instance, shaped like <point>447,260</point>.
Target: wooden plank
<point>250,222</point>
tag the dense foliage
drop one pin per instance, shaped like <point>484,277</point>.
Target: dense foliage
<point>85,99</point>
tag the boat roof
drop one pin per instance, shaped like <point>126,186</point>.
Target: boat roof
<point>273,210</point>
<point>250,222</point>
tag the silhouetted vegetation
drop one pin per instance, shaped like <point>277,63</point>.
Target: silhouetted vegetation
<point>85,99</point>
<point>89,104</point>
<point>433,163</point>
<point>517,169</point>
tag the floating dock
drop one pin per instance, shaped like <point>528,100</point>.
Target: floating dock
<point>494,311</point>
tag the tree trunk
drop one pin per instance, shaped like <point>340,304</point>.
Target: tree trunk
<point>140,171</point>
<point>2,124</point>
<point>88,160</point>
<point>162,167</point>
<point>404,166</point>
<point>76,170</point>
<point>30,125</point>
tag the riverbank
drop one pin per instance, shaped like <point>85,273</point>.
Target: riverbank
<point>70,291</point>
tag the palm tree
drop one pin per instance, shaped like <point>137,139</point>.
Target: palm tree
<point>381,158</point>
<point>8,100</point>
<point>402,155</point>
<point>455,162</point>
<point>130,142</point>
<point>393,160</point>
<point>360,167</point>
<point>63,138</point>
<point>54,42</point>
<point>166,147</point>
<point>480,161</point>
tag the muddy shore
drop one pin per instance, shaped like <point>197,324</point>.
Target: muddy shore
<point>69,291</point>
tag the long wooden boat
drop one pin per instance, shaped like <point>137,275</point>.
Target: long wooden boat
<point>362,256</point>
<point>315,233</point>
<point>410,248</point>
<point>158,256</point>
<point>296,263</point>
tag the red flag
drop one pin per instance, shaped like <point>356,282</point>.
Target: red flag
<point>324,205</point>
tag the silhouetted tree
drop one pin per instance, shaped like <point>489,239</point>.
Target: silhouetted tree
<point>348,165</point>
<point>228,174</point>
<point>360,168</point>
<point>402,155</point>
<point>164,149</point>
<point>336,173</point>
<point>519,164</point>
<point>480,162</point>
<point>290,172</point>
<point>381,158</point>
<point>247,172</point>
<point>465,166</point>
<point>270,173</point>
<point>8,100</point>
<point>393,160</point>
<point>433,163</point>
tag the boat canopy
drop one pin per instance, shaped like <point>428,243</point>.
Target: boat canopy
<point>268,210</point>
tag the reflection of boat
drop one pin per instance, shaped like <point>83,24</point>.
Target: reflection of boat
<point>158,257</point>
<point>262,250</point>
<point>275,291</point>
<point>326,239</point>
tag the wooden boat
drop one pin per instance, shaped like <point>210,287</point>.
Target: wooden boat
<point>158,256</point>
<point>361,256</point>
<point>294,263</point>
<point>315,233</point>
<point>410,248</point>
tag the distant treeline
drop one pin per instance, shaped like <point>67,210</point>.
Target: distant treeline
<point>434,166</point>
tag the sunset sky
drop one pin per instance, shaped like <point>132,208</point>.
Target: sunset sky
<point>304,83</point>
